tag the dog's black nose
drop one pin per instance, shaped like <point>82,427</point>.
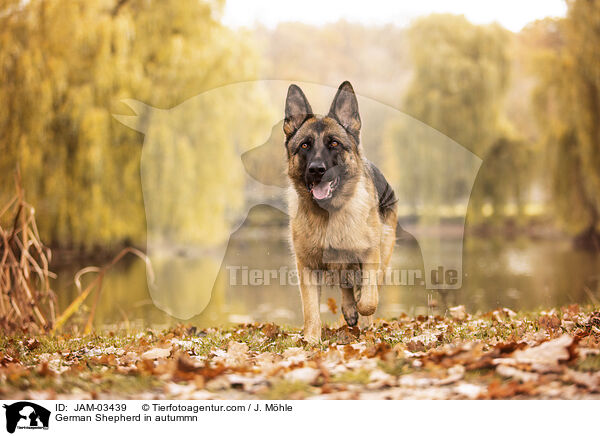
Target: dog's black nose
<point>317,168</point>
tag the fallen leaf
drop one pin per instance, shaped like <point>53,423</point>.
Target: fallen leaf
<point>455,374</point>
<point>415,347</point>
<point>497,390</point>
<point>551,322</point>
<point>271,330</point>
<point>586,379</point>
<point>332,306</point>
<point>293,355</point>
<point>468,390</point>
<point>156,353</point>
<point>305,375</point>
<point>236,355</point>
<point>44,370</point>
<point>345,335</point>
<point>458,312</point>
<point>517,374</point>
<point>379,379</point>
<point>548,354</point>
<point>32,344</point>
<point>186,364</point>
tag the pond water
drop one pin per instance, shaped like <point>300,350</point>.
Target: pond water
<point>521,274</point>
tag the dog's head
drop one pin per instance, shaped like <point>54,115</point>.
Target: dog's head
<point>324,157</point>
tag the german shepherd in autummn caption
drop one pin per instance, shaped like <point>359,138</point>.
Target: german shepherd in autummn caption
<point>343,212</point>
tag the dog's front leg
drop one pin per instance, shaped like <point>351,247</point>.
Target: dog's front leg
<point>349,306</point>
<point>369,295</point>
<point>310,292</point>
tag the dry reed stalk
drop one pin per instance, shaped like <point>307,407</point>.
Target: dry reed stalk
<point>27,303</point>
<point>96,285</point>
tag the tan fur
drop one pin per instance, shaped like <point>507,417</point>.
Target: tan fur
<point>344,231</point>
<point>334,240</point>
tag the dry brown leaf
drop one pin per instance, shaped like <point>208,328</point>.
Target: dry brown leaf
<point>497,390</point>
<point>236,355</point>
<point>106,359</point>
<point>186,364</point>
<point>345,335</point>
<point>32,344</point>
<point>586,379</point>
<point>573,309</point>
<point>458,312</point>
<point>455,374</point>
<point>350,352</point>
<point>305,375</point>
<point>332,305</point>
<point>383,350</point>
<point>548,353</point>
<point>271,330</point>
<point>517,374</point>
<point>415,347</point>
<point>5,359</point>
<point>44,370</point>
<point>156,353</point>
<point>549,322</point>
<point>294,355</point>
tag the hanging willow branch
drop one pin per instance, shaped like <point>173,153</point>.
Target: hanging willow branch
<point>27,303</point>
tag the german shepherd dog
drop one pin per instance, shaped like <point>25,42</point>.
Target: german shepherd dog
<point>343,212</point>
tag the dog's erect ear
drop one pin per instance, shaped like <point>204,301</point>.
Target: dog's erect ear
<point>345,108</point>
<point>297,110</point>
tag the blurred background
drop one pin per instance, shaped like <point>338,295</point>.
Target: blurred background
<point>518,85</point>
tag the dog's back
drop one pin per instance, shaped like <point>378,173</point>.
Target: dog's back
<point>385,193</point>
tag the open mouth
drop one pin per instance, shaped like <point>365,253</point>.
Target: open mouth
<point>324,189</point>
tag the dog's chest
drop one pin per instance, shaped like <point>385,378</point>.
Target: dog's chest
<point>343,231</point>
<point>340,236</point>
<point>347,232</point>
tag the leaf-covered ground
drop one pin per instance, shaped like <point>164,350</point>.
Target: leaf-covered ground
<point>501,354</point>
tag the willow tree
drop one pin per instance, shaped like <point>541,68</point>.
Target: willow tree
<point>461,73</point>
<point>568,107</point>
<point>65,66</point>
<point>460,78</point>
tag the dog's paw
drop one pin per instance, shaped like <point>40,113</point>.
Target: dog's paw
<point>350,314</point>
<point>312,339</point>
<point>312,334</point>
<point>366,308</point>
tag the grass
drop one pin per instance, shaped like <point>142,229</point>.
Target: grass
<point>287,390</point>
<point>63,364</point>
<point>590,363</point>
<point>396,368</point>
<point>360,376</point>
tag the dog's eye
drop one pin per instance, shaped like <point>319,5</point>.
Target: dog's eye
<point>304,145</point>
<point>334,144</point>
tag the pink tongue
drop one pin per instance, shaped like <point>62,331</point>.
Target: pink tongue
<point>322,190</point>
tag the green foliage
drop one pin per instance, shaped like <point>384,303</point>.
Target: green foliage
<point>567,100</point>
<point>64,66</point>
<point>505,175</point>
<point>460,77</point>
